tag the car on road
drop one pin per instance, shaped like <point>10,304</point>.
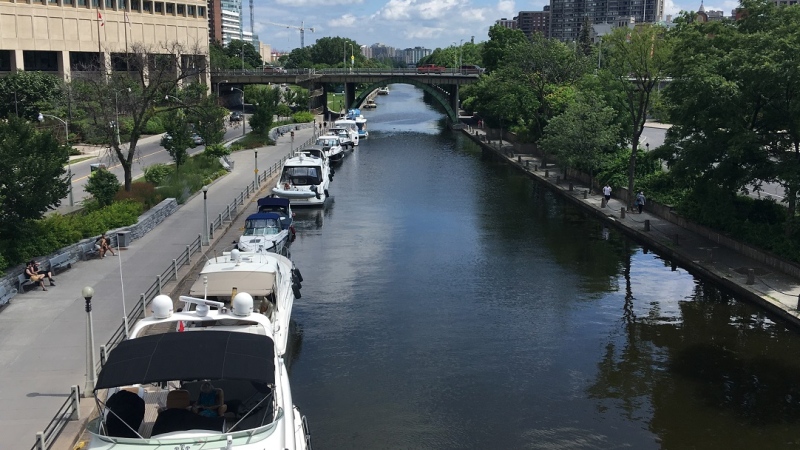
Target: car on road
<point>472,69</point>
<point>197,139</point>
<point>274,69</point>
<point>430,68</point>
<point>236,116</point>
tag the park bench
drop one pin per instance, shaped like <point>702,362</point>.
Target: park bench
<point>22,282</point>
<point>60,262</point>
<point>6,295</point>
<point>88,250</point>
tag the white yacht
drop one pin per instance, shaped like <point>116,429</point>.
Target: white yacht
<point>264,232</point>
<point>305,178</point>
<point>145,388</point>
<point>332,146</point>
<point>351,127</point>
<point>383,90</point>
<point>347,141</point>
<point>361,122</point>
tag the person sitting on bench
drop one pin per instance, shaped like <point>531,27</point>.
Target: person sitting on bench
<point>210,402</point>
<point>33,273</point>
<point>102,245</point>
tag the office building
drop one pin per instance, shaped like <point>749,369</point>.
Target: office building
<point>65,36</point>
<point>567,17</point>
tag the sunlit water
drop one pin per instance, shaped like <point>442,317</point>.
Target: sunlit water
<point>448,303</point>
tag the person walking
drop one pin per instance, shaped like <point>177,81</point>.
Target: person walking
<point>640,199</point>
<point>607,192</point>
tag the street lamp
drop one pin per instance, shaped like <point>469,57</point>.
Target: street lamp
<point>460,53</point>
<point>244,119</point>
<point>69,164</point>
<point>218,82</point>
<point>205,214</point>
<point>116,111</point>
<point>352,58</point>
<point>87,294</point>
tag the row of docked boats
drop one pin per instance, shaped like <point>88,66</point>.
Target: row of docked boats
<point>209,371</point>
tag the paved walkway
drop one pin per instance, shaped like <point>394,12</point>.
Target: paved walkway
<point>43,343</point>
<point>775,291</point>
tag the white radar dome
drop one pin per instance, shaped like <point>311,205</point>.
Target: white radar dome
<point>242,304</point>
<point>162,306</point>
<point>235,255</point>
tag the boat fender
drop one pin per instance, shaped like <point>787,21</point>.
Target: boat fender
<point>296,291</point>
<point>326,193</point>
<point>297,274</point>
<point>330,177</point>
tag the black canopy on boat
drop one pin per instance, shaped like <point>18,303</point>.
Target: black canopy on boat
<point>191,355</point>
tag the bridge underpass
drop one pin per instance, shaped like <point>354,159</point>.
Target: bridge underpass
<point>443,87</point>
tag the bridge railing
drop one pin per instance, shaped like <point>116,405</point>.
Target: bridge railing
<point>338,71</point>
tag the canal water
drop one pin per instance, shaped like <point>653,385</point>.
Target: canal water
<point>449,303</point>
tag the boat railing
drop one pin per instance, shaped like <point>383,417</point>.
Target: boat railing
<point>45,439</point>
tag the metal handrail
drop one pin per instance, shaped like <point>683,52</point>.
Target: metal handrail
<point>69,410</point>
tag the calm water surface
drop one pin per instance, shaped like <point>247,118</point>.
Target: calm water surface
<point>448,303</point>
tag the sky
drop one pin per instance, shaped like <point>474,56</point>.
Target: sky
<point>402,23</point>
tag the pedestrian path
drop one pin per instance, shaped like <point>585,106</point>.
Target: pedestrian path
<point>43,343</point>
<point>770,288</point>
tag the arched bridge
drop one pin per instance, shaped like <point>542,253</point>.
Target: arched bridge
<point>442,86</point>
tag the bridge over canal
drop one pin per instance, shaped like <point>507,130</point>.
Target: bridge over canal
<point>441,86</point>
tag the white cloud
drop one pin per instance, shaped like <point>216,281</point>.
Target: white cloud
<point>436,9</point>
<point>396,10</point>
<point>345,21</point>
<point>506,8</point>
<point>424,33</point>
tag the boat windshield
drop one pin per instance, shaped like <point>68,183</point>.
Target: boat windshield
<point>261,227</point>
<point>301,176</point>
<point>327,142</point>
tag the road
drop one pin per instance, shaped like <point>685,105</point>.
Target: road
<point>148,152</point>
<point>655,137</point>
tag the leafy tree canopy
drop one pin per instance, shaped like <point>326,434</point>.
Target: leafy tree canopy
<point>24,94</point>
<point>502,42</point>
<point>31,173</point>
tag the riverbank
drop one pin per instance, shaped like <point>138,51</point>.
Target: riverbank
<point>766,286</point>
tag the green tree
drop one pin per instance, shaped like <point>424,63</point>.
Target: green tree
<point>585,37</point>
<point>24,94</point>
<point>209,120</point>
<point>265,101</point>
<point>636,62</point>
<point>582,134</point>
<point>502,42</point>
<point>103,185</point>
<point>31,174</point>
<point>178,137</point>
<point>138,95</point>
<point>250,60</point>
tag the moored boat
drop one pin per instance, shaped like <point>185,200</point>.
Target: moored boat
<point>331,145</point>
<point>383,90</point>
<point>226,359</point>
<point>264,232</point>
<point>351,127</point>
<point>305,178</point>
<point>361,122</point>
<point>281,206</point>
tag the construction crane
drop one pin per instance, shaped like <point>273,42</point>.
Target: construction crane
<point>302,29</point>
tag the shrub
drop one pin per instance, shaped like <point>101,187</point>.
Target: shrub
<point>156,173</point>
<point>103,185</point>
<point>118,214</point>
<point>143,193</point>
<point>217,151</point>
<point>154,126</point>
<point>303,117</point>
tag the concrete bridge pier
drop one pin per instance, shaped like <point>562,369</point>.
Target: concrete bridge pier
<point>349,95</point>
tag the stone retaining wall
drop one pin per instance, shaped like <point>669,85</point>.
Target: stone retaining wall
<point>146,223</point>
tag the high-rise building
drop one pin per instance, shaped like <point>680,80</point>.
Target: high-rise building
<point>512,24</point>
<point>530,22</point>
<point>567,16</point>
<point>68,36</point>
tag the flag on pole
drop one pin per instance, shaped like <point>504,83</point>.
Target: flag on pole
<point>100,19</point>
<point>127,20</point>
